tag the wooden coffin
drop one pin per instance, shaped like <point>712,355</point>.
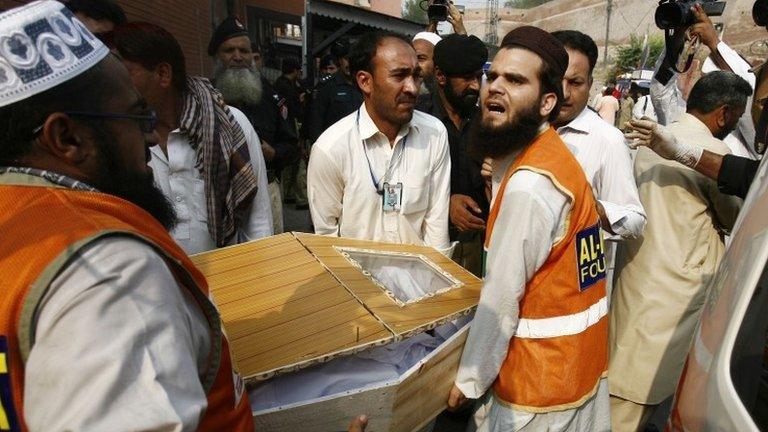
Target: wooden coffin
<point>296,300</point>
<point>406,404</point>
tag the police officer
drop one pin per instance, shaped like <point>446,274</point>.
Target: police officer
<point>243,86</point>
<point>335,96</point>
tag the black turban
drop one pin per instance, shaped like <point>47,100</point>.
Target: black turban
<point>540,42</point>
<point>458,55</point>
<point>229,28</point>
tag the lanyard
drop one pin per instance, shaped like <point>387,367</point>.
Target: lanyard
<point>378,184</point>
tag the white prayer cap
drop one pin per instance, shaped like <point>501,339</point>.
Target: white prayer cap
<point>42,45</point>
<point>430,37</point>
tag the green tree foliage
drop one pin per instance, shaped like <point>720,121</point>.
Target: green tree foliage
<point>628,57</point>
<point>412,11</point>
<point>524,4</point>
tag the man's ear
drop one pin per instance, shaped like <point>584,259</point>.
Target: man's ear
<point>721,116</point>
<point>548,102</point>
<point>442,80</point>
<point>164,73</point>
<point>364,81</point>
<point>60,138</point>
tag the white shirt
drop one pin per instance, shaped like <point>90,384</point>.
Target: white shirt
<point>118,346</point>
<point>599,147</point>
<point>669,104</point>
<point>531,219</point>
<point>343,198</point>
<point>184,186</point>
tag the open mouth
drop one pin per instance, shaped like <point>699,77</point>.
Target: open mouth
<point>495,107</point>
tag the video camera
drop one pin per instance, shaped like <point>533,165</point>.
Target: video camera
<point>672,14</point>
<point>760,13</point>
<point>438,10</point>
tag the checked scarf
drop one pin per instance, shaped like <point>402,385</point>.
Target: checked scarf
<point>222,159</point>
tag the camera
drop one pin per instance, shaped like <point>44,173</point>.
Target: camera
<point>438,10</point>
<point>760,13</point>
<point>677,13</point>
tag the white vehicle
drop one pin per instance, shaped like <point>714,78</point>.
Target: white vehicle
<point>724,385</point>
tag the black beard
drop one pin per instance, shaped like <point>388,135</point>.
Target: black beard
<point>464,103</point>
<point>135,187</point>
<point>501,141</point>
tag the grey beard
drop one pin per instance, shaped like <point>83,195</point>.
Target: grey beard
<point>429,85</point>
<point>238,85</point>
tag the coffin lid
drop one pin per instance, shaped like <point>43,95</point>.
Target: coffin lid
<point>295,299</point>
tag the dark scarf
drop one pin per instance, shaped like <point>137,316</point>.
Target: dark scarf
<point>222,158</point>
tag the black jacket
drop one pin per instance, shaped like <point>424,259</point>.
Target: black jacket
<point>465,168</point>
<point>334,99</point>
<point>272,128</point>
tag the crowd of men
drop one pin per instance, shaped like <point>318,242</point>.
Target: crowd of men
<point>115,164</point>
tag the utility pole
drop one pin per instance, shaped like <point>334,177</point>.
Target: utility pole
<point>607,32</point>
<point>491,22</point>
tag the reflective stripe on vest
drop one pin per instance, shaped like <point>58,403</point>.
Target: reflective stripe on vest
<point>565,325</point>
<point>559,353</point>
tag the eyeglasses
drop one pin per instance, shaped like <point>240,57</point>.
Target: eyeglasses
<point>146,122</point>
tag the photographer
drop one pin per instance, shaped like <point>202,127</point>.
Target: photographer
<point>424,43</point>
<point>445,10</point>
<point>734,174</point>
<point>669,88</point>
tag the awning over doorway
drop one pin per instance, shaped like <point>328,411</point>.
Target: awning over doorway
<point>362,16</point>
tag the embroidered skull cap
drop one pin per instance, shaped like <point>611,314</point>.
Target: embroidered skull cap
<point>42,45</point>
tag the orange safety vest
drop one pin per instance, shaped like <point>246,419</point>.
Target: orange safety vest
<point>42,227</point>
<point>559,352</point>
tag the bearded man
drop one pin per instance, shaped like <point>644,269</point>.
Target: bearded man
<point>424,43</point>
<point>244,88</point>
<point>458,69</point>
<point>103,314</point>
<point>208,159</point>
<point>539,335</point>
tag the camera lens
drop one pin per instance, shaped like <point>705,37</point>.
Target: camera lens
<point>760,13</point>
<point>670,15</point>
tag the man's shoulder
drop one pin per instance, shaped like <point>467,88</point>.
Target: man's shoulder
<point>527,184</point>
<point>238,114</point>
<point>323,82</point>
<point>121,251</point>
<point>602,129</point>
<point>683,130</point>
<point>242,120</point>
<point>428,123</point>
<point>333,138</point>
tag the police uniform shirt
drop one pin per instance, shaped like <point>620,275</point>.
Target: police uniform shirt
<point>335,99</point>
<point>291,92</point>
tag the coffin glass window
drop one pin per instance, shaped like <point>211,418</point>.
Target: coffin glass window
<point>405,277</point>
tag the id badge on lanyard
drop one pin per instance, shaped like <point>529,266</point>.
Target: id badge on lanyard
<point>392,197</point>
<point>391,193</point>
